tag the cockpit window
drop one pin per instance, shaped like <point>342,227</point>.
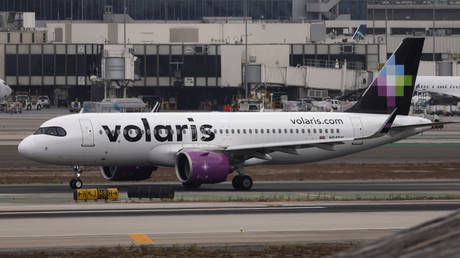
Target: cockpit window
<point>53,131</point>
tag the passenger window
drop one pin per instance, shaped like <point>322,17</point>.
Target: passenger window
<point>314,130</point>
<point>244,131</point>
<point>297,131</point>
<point>250,131</point>
<point>279,131</point>
<point>291,130</point>
<point>337,130</point>
<point>215,131</point>
<point>221,131</point>
<point>285,130</point>
<point>226,131</point>
<point>309,131</point>
<point>303,130</point>
<point>238,131</point>
<point>326,131</point>
<point>255,131</point>
<point>274,130</point>
<point>261,131</point>
<point>233,131</point>
<point>320,130</point>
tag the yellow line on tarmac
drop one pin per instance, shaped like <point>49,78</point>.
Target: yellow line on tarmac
<point>141,238</point>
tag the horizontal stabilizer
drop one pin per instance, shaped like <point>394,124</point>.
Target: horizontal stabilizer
<point>434,125</point>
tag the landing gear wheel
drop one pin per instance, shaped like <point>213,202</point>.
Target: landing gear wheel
<point>191,185</point>
<point>242,182</point>
<point>76,182</point>
<point>236,182</point>
<point>246,183</point>
<point>72,184</point>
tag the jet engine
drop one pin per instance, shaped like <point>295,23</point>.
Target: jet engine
<point>127,173</point>
<point>194,168</point>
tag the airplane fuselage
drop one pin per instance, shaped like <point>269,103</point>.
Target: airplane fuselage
<point>447,85</point>
<point>138,139</point>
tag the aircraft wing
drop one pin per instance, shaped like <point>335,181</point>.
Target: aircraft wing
<point>290,146</point>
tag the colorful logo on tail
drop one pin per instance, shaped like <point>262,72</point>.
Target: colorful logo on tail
<point>391,82</point>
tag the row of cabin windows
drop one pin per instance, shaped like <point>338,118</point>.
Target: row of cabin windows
<point>274,131</point>
<point>250,131</point>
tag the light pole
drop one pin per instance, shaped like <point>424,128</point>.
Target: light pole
<point>386,31</point>
<point>434,36</point>
<point>373,24</point>
<point>245,78</point>
<point>124,23</point>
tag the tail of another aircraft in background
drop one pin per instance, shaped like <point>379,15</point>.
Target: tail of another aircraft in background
<point>394,86</point>
<point>360,33</point>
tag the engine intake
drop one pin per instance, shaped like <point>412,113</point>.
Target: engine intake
<point>202,167</point>
<point>127,173</point>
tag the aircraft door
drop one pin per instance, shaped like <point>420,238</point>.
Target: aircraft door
<point>228,136</point>
<point>357,130</point>
<point>87,133</point>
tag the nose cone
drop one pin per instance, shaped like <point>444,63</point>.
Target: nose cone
<point>26,148</point>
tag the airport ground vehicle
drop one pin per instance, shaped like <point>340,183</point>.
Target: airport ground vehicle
<point>33,104</point>
<point>44,101</point>
<point>250,105</point>
<point>22,98</point>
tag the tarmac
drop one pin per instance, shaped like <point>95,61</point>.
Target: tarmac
<point>44,216</point>
<point>222,224</point>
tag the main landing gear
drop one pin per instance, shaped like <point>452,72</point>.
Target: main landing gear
<point>76,182</point>
<point>242,181</point>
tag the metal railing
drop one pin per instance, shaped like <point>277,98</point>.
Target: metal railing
<point>333,64</point>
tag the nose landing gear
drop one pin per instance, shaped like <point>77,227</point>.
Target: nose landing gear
<point>76,182</point>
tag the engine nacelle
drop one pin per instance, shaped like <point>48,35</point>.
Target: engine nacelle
<point>127,173</point>
<point>202,167</point>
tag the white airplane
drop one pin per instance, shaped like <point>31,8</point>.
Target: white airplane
<point>205,148</point>
<point>5,91</point>
<point>443,85</point>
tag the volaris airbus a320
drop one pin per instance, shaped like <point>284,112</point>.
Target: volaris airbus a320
<point>205,148</point>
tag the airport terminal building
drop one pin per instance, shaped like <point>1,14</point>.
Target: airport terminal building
<point>198,53</point>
